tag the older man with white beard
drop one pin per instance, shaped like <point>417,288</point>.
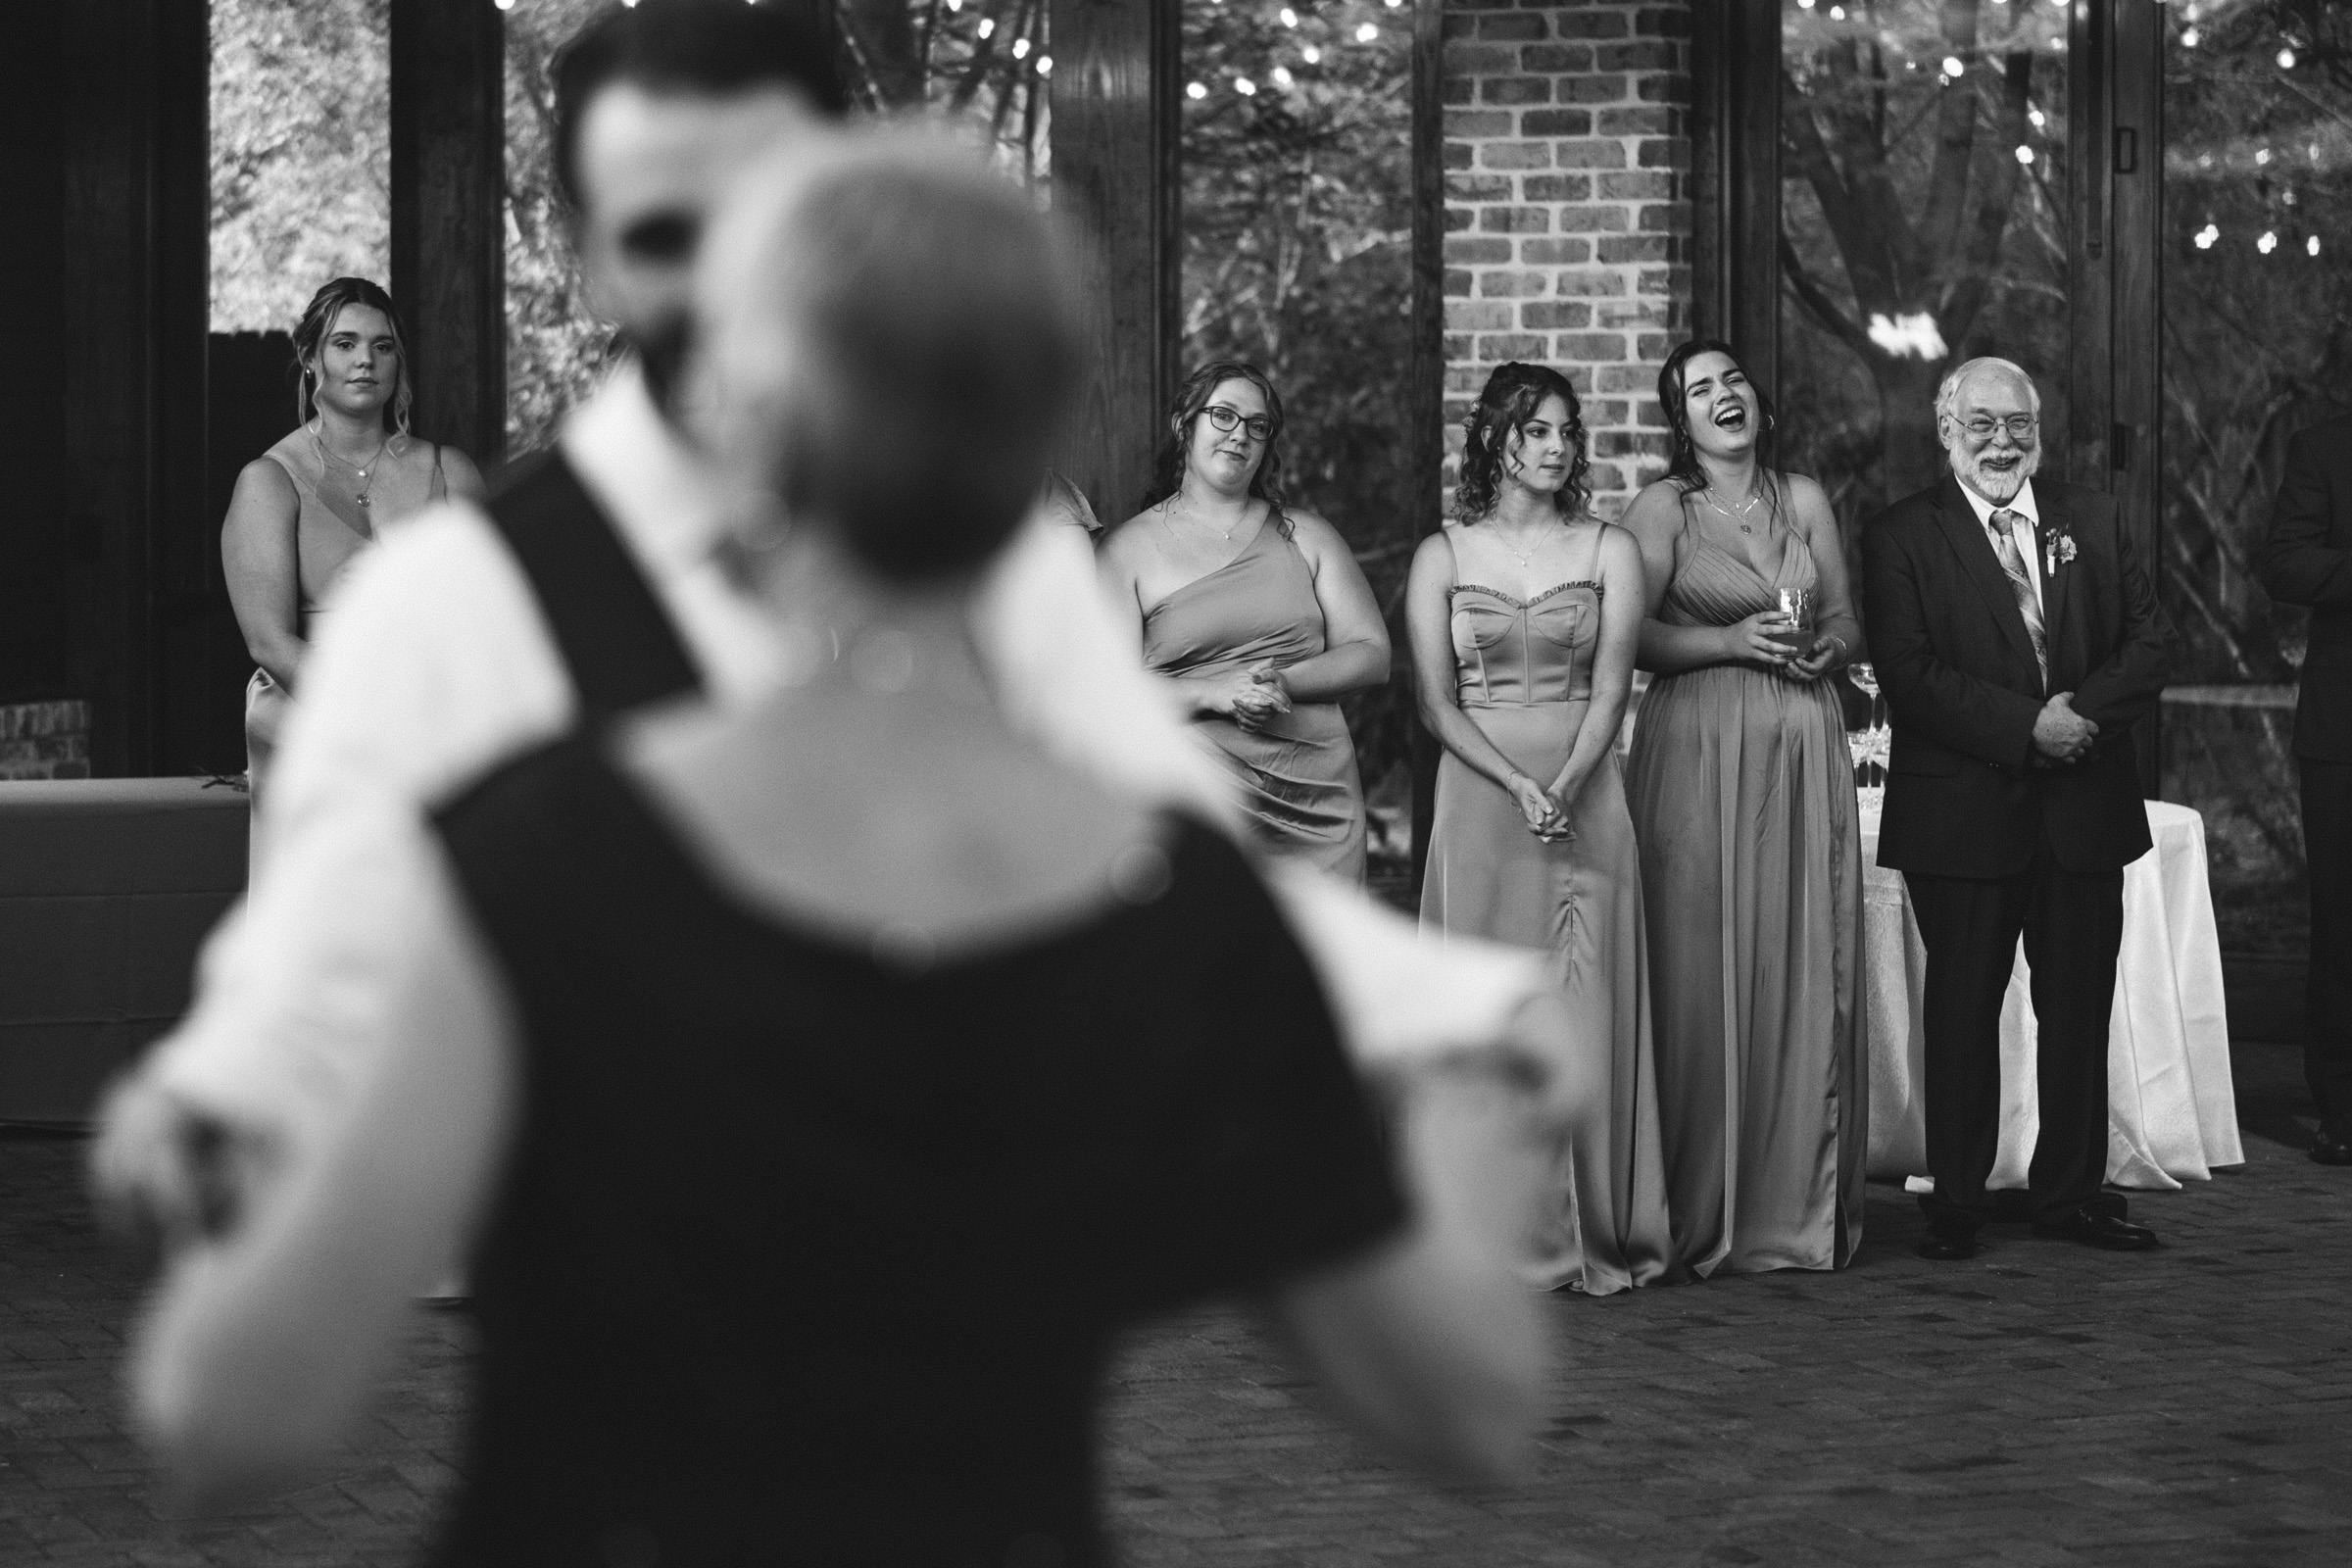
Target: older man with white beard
<point>2016,638</point>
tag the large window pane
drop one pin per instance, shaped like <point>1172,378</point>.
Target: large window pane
<point>980,65</point>
<point>1297,172</point>
<point>2257,344</point>
<point>1923,223</point>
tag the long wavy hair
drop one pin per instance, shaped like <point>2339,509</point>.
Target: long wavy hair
<point>1512,395</point>
<point>1681,463</point>
<point>310,333</point>
<point>1167,472</point>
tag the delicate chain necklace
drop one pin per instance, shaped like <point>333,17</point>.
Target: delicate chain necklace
<point>1544,532</point>
<point>326,452</point>
<point>1739,512</point>
<point>1168,510</point>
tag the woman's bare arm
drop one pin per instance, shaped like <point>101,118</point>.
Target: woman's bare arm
<point>1429,632</point>
<point>1623,608</point>
<point>1355,637</point>
<point>1836,629</point>
<point>459,472</point>
<point>260,557</point>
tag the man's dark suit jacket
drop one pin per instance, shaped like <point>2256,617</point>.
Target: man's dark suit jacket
<point>2308,560</point>
<point>1965,796</point>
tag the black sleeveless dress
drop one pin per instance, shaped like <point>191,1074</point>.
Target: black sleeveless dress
<point>804,1256</point>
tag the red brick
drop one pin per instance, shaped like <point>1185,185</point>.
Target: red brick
<point>1673,153</point>
<point>1516,91</point>
<point>1515,219</point>
<point>1641,185</point>
<point>1458,27</point>
<point>1457,218</point>
<point>1558,187</point>
<point>1594,153</point>
<point>1457,283</point>
<point>1551,315</point>
<point>1511,345</point>
<point>1524,27</point>
<point>1591,282</point>
<point>1468,316</point>
<point>1478,187</point>
<point>1655,345</point>
<point>1467,250</point>
<point>1596,219</point>
<point>1629,378</point>
<point>1458,154</point>
<point>1649,54</point>
<point>1663,22</point>
<point>1671,217</point>
<point>1591,347</point>
<point>1591,89</point>
<point>1554,252</point>
<point>1645,248</point>
<point>1514,155</point>
<point>1551,122</point>
<point>1594,23</point>
<point>1511,284</point>
<point>1674,90</point>
<point>1642,121</point>
<point>1480,60</point>
<point>1471,125</point>
<point>1556,57</point>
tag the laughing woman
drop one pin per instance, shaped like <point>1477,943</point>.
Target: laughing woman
<point>1743,795</point>
<point>1258,611</point>
<point>304,509</point>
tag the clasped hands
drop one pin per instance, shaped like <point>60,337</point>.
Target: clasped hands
<point>2060,734</point>
<point>1758,640</point>
<point>1547,818</point>
<point>1252,697</point>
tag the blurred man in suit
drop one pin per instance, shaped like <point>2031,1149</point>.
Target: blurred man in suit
<point>2016,638</point>
<point>2308,560</point>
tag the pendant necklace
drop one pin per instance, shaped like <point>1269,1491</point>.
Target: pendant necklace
<point>360,491</point>
<point>1738,513</point>
<point>1225,534</point>
<point>1542,534</point>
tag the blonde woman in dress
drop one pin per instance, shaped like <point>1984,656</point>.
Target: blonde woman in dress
<point>304,509</point>
<point>1523,615</point>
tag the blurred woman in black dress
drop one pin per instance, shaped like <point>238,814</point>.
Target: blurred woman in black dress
<point>766,1053</point>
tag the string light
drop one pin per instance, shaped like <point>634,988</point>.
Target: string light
<point>1289,18</point>
<point>2025,154</point>
<point>1045,64</point>
<point>2039,118</point>
<point>1836,13</point>
<point>2262,156</point>
<point>1281,77</point>
<point>1195,91</point>
<point>1020,48</point>
<point>1366,33</point>
<point>504,5</point>
<point>2286,60</point>
<point>1245,86</point>
<point>2267,243</point>
<point>1311,54</point>
<point>988,27</point>
<point>2190,37</point>
<point>2204,237</point>
<point>1953,66</point>
<point>1804,5</point>
<point>2310,246</point>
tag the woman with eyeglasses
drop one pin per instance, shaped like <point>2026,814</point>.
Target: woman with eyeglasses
<point>1258,612</point>
<point>1743,794</point>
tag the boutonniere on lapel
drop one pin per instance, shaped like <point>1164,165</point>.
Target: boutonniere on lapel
<point>2057,550</point>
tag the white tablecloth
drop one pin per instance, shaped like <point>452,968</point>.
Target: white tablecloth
<point>2172,1112</point>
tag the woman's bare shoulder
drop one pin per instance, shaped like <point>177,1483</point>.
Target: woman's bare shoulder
<point>267,478</point>
<point>1657,503</point>
<point>1128,543</point>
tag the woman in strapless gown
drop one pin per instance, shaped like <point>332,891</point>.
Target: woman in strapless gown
<point>1743,795</point>
<point>304,509</point>
<point>1523,616</point>
<point>1258,612</point>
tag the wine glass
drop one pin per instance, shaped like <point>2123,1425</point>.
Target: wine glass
<point>1864,679</point>
<point>1796,605</point>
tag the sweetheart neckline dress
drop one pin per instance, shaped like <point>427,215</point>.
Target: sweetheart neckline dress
<point>1743,795</point>
<point>1523,676</point>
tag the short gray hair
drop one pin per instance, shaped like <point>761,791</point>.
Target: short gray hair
<point>1947,393</point>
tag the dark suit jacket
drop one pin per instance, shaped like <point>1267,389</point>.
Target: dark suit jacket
<point>1964,797</point>
<point>2308,560</point>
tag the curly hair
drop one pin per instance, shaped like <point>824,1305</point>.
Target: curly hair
<point>1681,463</point>
<point>311,332</point>
<point>1167,471</point>
<point>1512,395</point>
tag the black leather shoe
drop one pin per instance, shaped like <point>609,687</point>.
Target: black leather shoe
<point>2332,1145</point>
<point>2103,1231</point>
<point>1946,1246</point>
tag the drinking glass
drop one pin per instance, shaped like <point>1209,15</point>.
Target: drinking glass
<point>1797,637</point>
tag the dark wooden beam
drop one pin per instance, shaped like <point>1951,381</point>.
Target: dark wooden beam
<point>1114,102</point>
<point>131,107</point>
<point>1425,392</point>
<point>1736,179</point>
<point>2134,152</point>
<point>449,265</point>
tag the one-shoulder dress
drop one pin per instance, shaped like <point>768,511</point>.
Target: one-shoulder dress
<point>1297,774</point>
<point>1743,794</point>
<point>1524,677</point>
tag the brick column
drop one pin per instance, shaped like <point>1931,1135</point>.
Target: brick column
<point>1568,212</point>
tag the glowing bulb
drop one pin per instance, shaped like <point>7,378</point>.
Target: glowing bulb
<point>1245,86</point>
<point>1045,64</point>
<point>1804,5</point>
<point>1311,54</point>
<point>1195,91</point>
<point>2262,156</point>
<point>1281,77</point>
<point>504,5</point>
<point>987,25</point>
<point>2025,154</point>
<point>2286,60</point>
<point>1836,13</point>
<point>1289,18</point>
<point>2267,243</point>
<point>1020,48</point>
<point>1366,33</point>
<point>2314,150</point>
<point>1953,66</point>
<point>2310,246</point>
<point>2190,37</point>
<point>2204,237</point>
<point>2039,118</point>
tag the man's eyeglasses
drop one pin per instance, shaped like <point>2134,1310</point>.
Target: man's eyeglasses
<point>2019,425</point>
<point>1224,417</point>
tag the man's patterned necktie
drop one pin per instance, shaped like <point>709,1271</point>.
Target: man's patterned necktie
<point>2004,545</point>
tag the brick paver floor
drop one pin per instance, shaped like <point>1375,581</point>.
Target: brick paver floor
<point>2041,1404</point>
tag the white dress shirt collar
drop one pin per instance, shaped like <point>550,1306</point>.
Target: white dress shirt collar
<point>2022,504</point>
<point>662,496</point>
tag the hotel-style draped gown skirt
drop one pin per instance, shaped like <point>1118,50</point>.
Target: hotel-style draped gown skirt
<point>1523,674</point>
<point>1743,795</point>
<point>1296,774</point>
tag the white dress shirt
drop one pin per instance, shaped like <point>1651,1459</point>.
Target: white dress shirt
<point>2027,518</point>
<point>437,666</point>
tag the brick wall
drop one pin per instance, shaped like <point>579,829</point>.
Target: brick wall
<point>1568,212</point>
<point>44,740</point>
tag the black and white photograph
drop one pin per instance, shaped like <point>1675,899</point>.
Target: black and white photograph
<point>1176,783</point>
